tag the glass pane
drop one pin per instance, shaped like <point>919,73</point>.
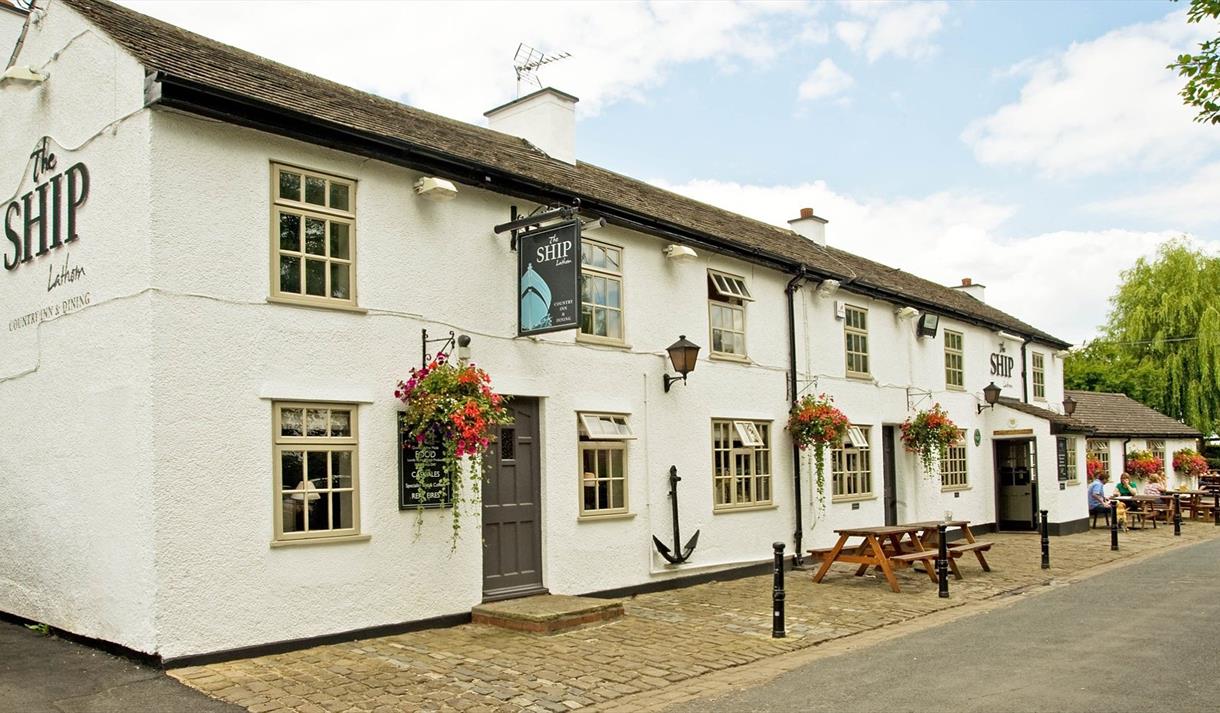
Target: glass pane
<point>613,293</point>
<point>717,340</point>
<point>290,232</point>
<point>597,293</point>
<point>617,499</point>
<point>341,504</point>
<point>612,259</point>
<point>290,185</point>
<point>616,464</point>
<point>739,320</point>
<point>339,283</point>
<point>614,324</point>
<point>292,470</point>
<point>599,322</point>
<point>290,421</point>
<point>315,277</point>
<point>290,274</point>
<point>315,236</point>
<point>603,467</point>
<point>316,422</point>
<point>316,470</point>
<point>586,320</point>
<point>339,240</point>
<point>340,422</point>
<point>315,190</point>
<point>341,469</point>
<point>293,511</point>
<point>508,444</point>
<point>338,196</point>
<point>586,290</point>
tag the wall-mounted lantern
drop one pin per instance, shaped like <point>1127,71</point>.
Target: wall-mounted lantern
<point>682,354</point>
<point>991,394</point>
<point>1069,405</point>
<point>927,325</point>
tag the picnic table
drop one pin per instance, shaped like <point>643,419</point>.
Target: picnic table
<point>1145,508</point>
<point>931,538</point>
<point>873,551</point>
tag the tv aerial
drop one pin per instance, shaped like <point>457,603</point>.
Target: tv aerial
<point>527,61</point>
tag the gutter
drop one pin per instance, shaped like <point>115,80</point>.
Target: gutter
<point>798,508</point>
<point>196,98</point>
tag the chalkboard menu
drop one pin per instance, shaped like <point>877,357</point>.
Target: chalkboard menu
<point>1063,458</point>
<point>422,478</point>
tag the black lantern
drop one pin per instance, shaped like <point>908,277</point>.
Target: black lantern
<point>991,394</point>
<point>1069,405</point>
<point>682,354</point>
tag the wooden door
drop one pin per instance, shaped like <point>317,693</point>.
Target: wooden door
<point>890,474</point>
<point>512,507</point>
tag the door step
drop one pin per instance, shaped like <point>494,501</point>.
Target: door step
<point>547,613</point>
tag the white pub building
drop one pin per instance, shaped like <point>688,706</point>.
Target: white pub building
<point>217,268</point>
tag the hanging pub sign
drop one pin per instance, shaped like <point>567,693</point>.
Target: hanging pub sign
<point>423,480</point>
<point>44,219</point>
<point>548,279</point>
<point>1062,458</point>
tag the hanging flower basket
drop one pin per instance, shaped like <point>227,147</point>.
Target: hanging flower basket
<point>452,404</point>
<point>1141,464</point>
<point>1188,462</point>
<point>926,434</point>
<point>1094,467</point>
<point>815,423</point>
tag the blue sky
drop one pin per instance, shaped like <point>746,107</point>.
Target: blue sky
<point>1037,147</point>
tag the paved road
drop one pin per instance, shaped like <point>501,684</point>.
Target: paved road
<point>1139,638</point>
<point>40,674</point>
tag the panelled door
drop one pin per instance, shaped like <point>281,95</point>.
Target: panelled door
<point>512,508</point>
<point>1017,478</point>
<point>890,474</point>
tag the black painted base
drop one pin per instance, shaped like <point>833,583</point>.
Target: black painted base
<point>1071,527</point>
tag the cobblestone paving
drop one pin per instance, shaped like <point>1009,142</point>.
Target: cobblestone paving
<point>632,663</point>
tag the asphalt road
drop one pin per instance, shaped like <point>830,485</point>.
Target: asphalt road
<point>42,674</point>
<point>1139,638</point>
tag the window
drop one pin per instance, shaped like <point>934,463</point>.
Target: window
<point>1071,476</point>
<point>601,291</point>
<point>1157,448</point>
<point>727,295</point>
<point>955,375</point>
<point>953,464</point>
<point>603,463</point>
<point>316,474</point>
<point>1099,450</point>
<point>855,327</point>
<point>851,467</point>
<point>313,256</point>
<point>1039,376</point>
<point>741,458</point>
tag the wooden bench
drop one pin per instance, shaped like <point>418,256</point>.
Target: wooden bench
<point>1134,516</point>
<point>819,554</point>
<point>978,548</point>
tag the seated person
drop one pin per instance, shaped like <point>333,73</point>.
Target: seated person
<point>1154,486</point>
<point>1099,504</point>
<point>1125,486</point>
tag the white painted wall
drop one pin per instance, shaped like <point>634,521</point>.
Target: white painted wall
<point>75,523</point>
<point>1172,445</point>
<point>10,29</point>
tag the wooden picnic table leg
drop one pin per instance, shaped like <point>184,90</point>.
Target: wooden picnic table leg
<point>977,553</point>
<point>920,548</point>
<point>830,558</point>
<point>884,562</point>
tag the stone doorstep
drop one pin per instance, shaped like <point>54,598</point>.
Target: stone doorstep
<point>546,613</point>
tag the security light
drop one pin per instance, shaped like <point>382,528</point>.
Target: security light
<point>435,189</point>
<point>827,288</point>
<point>906,313</point>
<point>679,253</point>
<point>22,75</point>
<point>928,323</point>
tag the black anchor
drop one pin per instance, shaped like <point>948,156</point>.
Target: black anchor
<point>690,546</point>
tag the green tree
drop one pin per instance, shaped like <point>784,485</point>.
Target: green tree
<point>1161,345</point>
<point>1202,70</point>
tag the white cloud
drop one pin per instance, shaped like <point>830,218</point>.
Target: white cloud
<point>826,80</point>
<point>1193,201</point>
<point>902,29</point>
<point>456,58</point>
<point>1059,281</point>
<point>1099,106</point>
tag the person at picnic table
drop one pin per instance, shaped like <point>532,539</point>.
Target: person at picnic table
<point>1154,486</point>
<point>1099,504</point>
<point>1125,487</point>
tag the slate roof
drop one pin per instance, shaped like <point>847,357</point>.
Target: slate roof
<point>162,47</point>
<point>1118,415</point>
<point>1059,422</point>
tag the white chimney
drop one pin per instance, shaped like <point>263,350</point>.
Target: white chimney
<point>968,286</point>
<point>810,226</point>
<point>546,119</point>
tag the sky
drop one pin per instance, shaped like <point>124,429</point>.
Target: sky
<point>1039,148</point>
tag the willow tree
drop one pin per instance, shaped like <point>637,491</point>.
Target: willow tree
<point>1165,320</point>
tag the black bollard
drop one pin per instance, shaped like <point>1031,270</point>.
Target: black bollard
<point>942,562</point>
<point>1216,507</point>
<point>1114,525</point>
<point>1177,515</point>
<point>1046,543</point>
<point>777,594</point>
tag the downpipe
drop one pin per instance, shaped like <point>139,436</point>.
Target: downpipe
<point>790,291</point>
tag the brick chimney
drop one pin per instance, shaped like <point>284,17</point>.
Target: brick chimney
<point>969,287</point>
<point>810,226</point>
<point>546,119</point>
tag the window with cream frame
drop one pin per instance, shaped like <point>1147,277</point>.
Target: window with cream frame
<point>601,291</point>
<point>955,369</point>
<point>1069,449</point>
<point>317,474</point>
<point>1039,380</point>
<point>1157,449</point>
<point>603,463</point>
<point>726,305</point>
<point>313,237</point>
<point>953,474</point>
<point>741,462</point>
<point>851,466</point>
<point>1099,449</point>
<point>855,335</point>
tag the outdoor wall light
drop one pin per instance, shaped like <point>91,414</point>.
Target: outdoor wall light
<point>927,325</point>
<point>682,354</point>
<point>1069,405</point>
<point>827,288</point>
<point>906,313</point>
<point>679,253</point>
<point>22,75</point>
<point>435,189</point>
<point>991,394</point>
